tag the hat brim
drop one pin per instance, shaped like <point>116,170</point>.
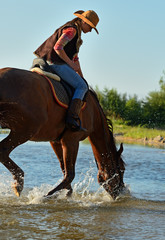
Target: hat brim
<point>79,15</point>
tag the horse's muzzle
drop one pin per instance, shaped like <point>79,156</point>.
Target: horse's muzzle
<point>113,186</point>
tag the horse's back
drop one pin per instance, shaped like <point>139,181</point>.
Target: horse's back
<point>26,101</point>
<point>21,98</point>
<point>18,78</point>
<point>17,85</point>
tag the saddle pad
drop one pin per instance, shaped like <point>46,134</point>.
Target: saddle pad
<point>57,88</point>
<point>48,74</point>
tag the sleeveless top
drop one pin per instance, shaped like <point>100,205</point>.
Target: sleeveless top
<point>47,52</point>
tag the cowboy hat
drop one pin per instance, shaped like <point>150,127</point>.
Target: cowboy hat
<point>90,17</point>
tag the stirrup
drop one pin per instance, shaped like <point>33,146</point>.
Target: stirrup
<point>74,126</point>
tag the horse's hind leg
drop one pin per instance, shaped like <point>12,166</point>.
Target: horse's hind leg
<point>59,153</point>
<point>6,146</point>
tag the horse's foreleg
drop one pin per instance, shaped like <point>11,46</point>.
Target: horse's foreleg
<point>59,153</point>
<point>6,146</point>
<point>68,165</point>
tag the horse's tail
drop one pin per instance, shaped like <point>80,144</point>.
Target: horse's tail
<point>6,110</point>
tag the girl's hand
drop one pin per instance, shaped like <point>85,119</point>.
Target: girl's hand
<point>75,66</point>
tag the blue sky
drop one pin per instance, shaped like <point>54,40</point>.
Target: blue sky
<point>128,54</point>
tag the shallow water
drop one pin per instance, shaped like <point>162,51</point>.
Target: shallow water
<point>90,213</point>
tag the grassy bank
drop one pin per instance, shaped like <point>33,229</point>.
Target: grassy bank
<point>4,131</point>
<point>126,133</point>
<point>136,132</point>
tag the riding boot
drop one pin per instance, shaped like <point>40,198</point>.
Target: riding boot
<point>73,121</point>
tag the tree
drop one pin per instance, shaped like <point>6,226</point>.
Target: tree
<point>114,103</point>
<point>154,107</point>
<point>150,113</point>
<point>133,111</point>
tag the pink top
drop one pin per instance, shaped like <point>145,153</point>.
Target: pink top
<point>67,35</point>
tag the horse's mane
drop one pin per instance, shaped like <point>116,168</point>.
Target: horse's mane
<point>109,122</point>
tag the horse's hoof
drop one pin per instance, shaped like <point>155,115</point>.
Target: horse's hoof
<point>17,188</point>
<point>69,193</point>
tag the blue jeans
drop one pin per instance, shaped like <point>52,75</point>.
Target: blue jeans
<point>71,77</point>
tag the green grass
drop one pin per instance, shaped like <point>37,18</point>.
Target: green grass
<point>4,131</point>
<point>136,132</point>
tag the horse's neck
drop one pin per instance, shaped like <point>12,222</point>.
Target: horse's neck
<point>101,140</point>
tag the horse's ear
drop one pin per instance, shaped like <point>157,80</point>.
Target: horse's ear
<point>120,149</point>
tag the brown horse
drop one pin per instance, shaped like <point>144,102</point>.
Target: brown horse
<point>28,109</point>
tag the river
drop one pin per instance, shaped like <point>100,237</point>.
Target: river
<point>90,213</point>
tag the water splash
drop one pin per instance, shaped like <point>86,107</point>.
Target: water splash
<point>86,192</point>
<point>5,185</point>
<point>7,196</point>
<point>35,196</point>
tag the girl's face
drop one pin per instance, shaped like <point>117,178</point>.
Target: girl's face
<point>85,27</point>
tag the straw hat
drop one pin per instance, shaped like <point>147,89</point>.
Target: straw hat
<point>90,17</point>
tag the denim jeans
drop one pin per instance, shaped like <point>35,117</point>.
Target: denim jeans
<point>71,77</point>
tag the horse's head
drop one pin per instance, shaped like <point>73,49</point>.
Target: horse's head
<point>112,178</point>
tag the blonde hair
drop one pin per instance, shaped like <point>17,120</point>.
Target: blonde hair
<point>77,22</point>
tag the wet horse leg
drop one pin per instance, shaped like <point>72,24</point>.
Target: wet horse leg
<point>59,153</point>
<point>70,149</point>
<point>6,146</point>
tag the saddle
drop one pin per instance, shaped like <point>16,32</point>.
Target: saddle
<point>62,91</point>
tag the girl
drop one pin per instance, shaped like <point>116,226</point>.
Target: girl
<point>60,50</point>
